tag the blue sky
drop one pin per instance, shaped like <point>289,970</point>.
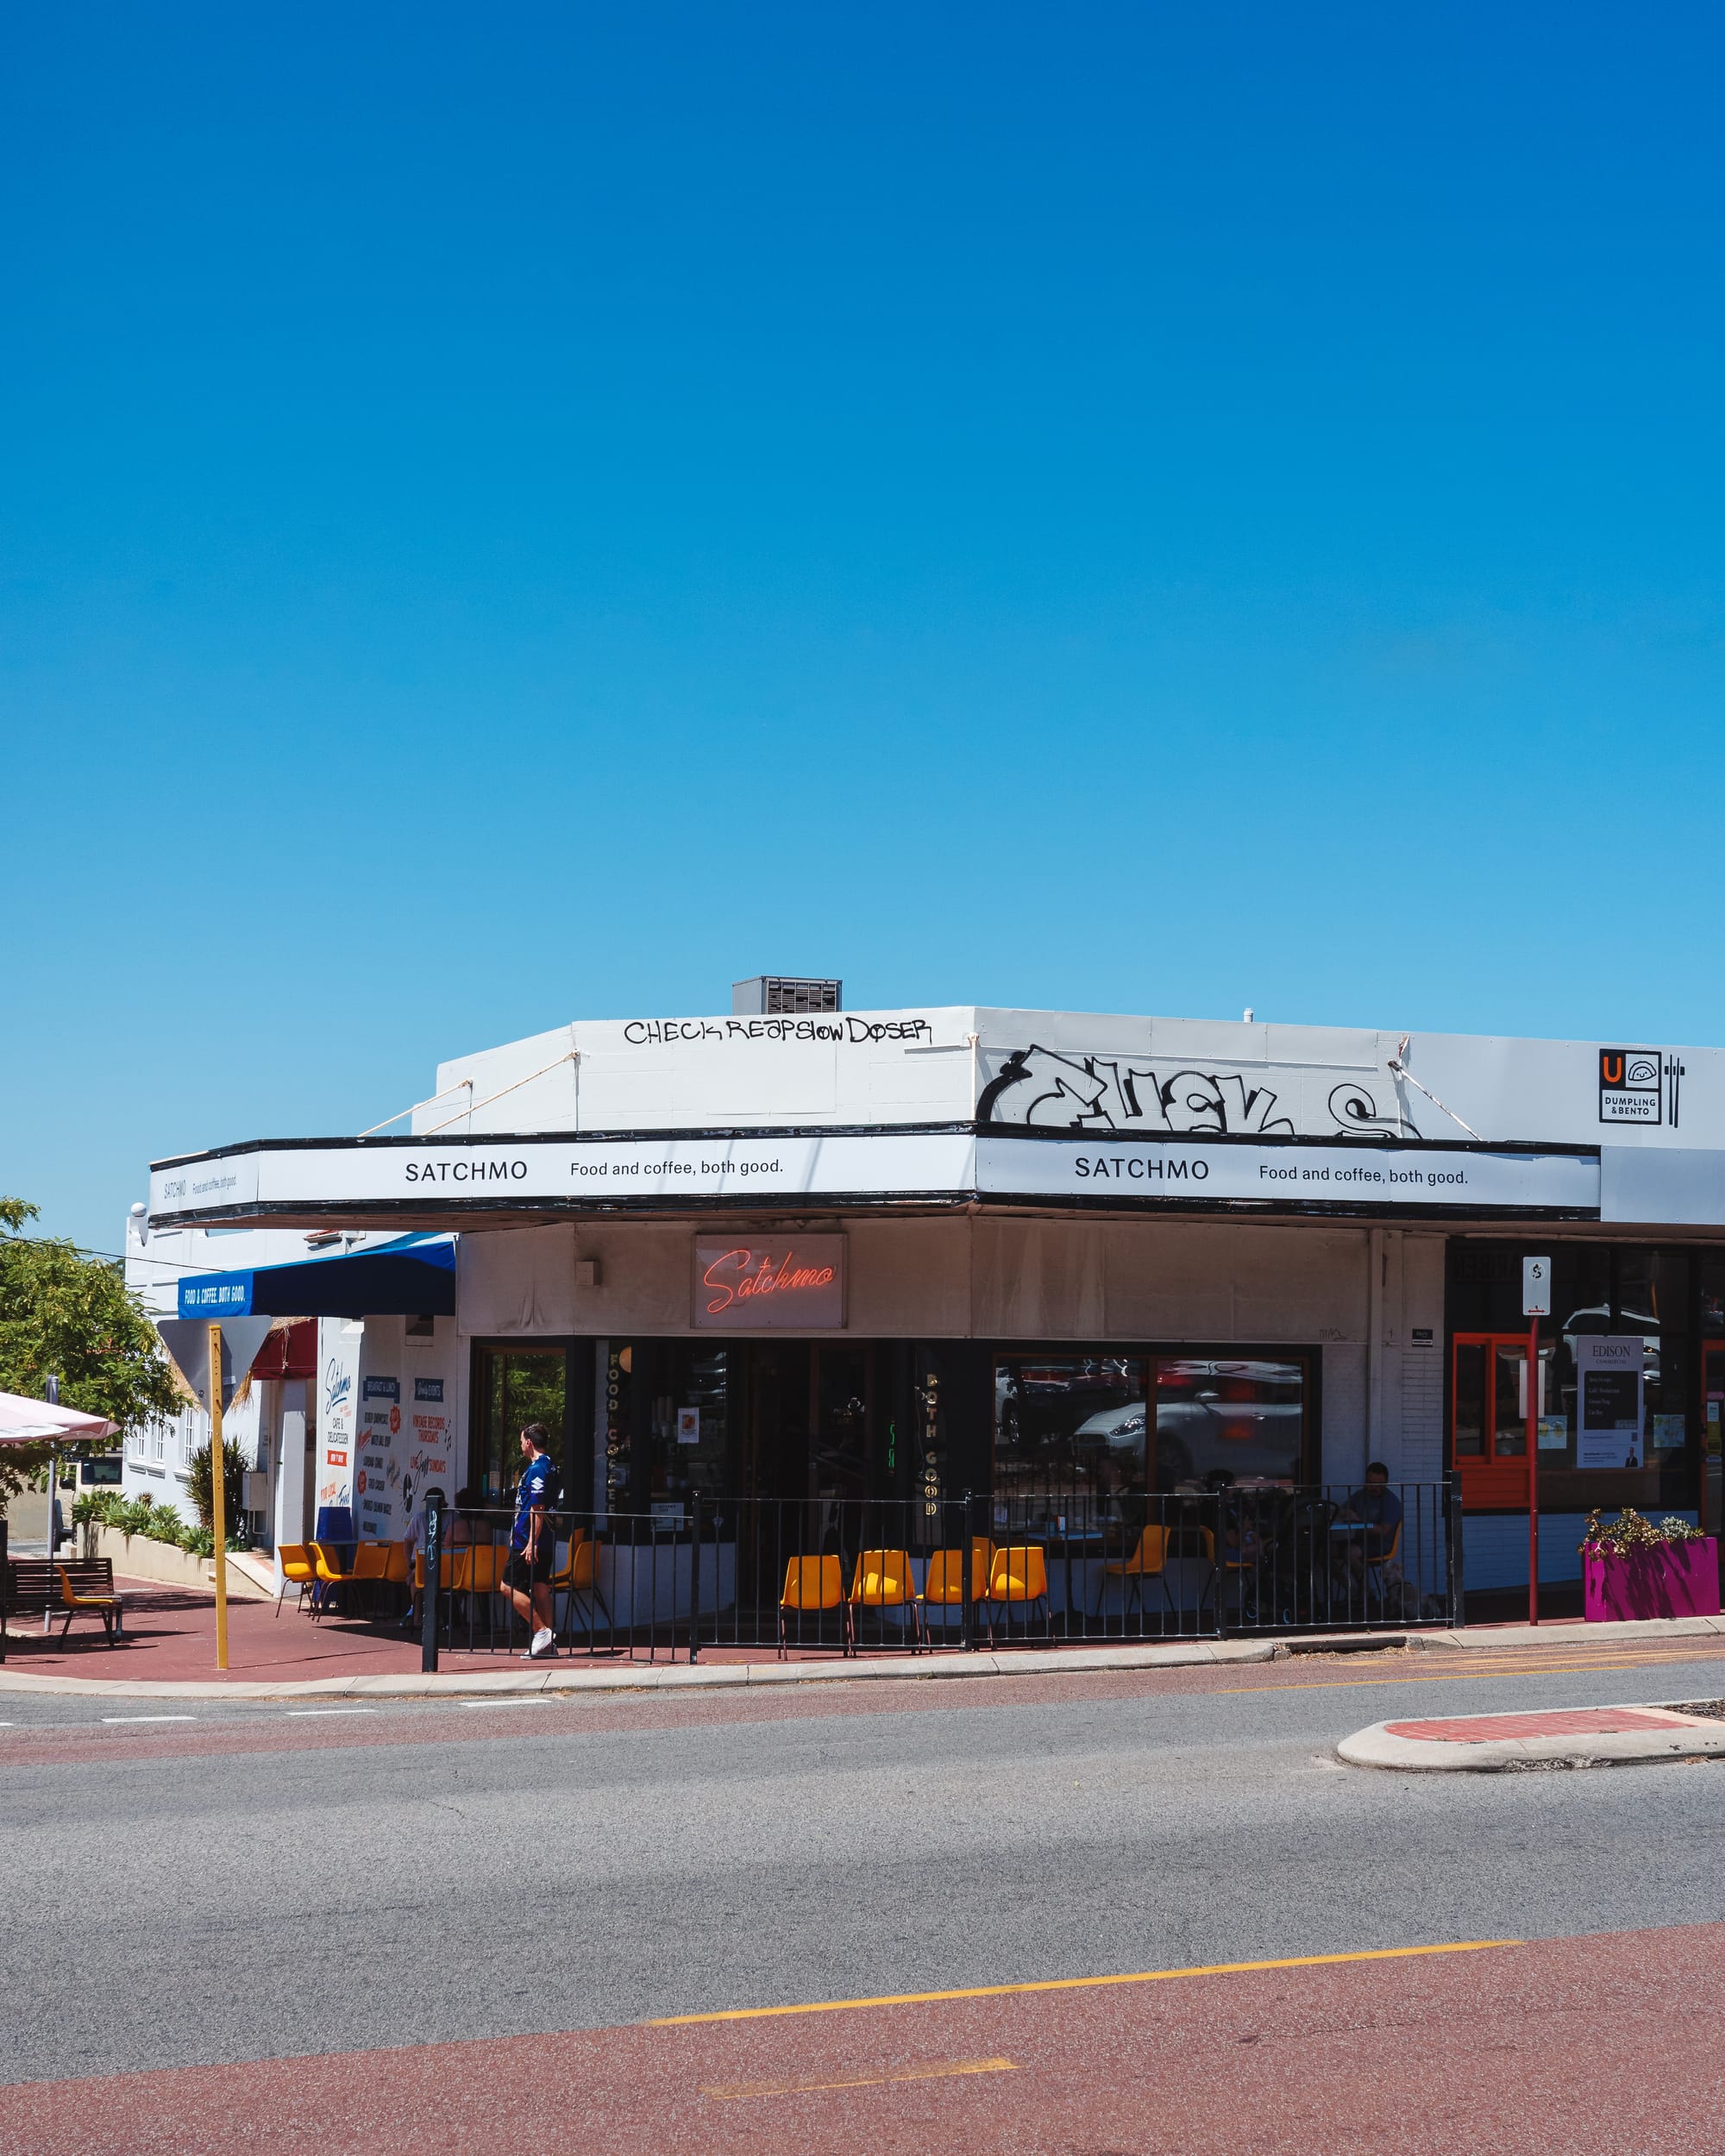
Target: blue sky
<point>533,513</point>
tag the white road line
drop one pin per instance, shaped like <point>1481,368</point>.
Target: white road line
<point>503,1702</point>
<point>149,1718</point>
<point>303,1714</point>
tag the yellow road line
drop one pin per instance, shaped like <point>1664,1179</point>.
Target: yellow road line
<point>934,2072</point>
<point>1074,1983</point>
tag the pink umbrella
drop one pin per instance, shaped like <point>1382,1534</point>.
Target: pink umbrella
<point>42,1422</point>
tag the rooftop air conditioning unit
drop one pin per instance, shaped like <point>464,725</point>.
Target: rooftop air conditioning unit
<point>777,993</point>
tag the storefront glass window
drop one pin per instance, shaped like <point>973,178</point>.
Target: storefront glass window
<point>1598,1288</point>
<point>666,1423</point>
<point>839,1448</point>
<point>689,1425</point>
<point>1069,1427</point>
<point>1075,1426</point>
<point>1712,1345</point>
<point>1469,1400</point>
<point>517,1386</point>
<point>1602,1291</point>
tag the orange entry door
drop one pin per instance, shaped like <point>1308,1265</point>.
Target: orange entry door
<point>1489,1419</point>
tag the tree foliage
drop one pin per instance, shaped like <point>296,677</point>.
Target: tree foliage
<point>68,1316</point>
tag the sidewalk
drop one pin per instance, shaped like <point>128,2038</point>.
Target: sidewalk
<point>170,1652</point>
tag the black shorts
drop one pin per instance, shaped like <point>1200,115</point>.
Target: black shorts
<point>519,1572</point>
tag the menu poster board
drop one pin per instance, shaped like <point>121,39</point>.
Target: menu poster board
<point>1608,1369</point>
<point>338,1354</point>
<point>428,1453</point>
<point>374,1485</point>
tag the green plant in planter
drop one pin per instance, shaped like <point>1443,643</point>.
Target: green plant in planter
<point>153,1522</point>
<point>1630,1533</point>
<point>200,1483</point>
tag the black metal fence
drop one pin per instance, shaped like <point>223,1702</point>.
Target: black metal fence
<point>844,1574</point>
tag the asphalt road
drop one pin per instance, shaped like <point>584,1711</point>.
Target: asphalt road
<point>258,1883</point>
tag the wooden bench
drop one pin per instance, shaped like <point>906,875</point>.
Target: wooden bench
<point>34,1584</point>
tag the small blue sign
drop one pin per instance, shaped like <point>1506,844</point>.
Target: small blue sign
<point>382,1388</point>
<point>216,1296</point>
<point>428,1388</point>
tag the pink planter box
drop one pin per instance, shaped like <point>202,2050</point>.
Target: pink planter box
<point>1682,1580</point>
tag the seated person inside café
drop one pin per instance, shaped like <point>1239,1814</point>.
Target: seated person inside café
<point>1377,1510</point>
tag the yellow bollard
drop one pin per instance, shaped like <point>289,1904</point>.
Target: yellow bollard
<point>218,1496</point>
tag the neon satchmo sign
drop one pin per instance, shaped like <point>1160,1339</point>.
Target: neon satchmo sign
<point>750,1285</point>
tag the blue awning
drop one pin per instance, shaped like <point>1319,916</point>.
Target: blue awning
<point>413,1277</point>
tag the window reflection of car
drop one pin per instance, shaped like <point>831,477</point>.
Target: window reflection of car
<point>1247,1417</point>
<point>1034,1388</point>
<point>1119,1429</point>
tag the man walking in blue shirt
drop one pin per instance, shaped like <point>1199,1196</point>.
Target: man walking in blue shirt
<point>533,1543</point>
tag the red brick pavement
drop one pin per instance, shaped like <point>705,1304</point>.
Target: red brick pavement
<point>1595,2046</point>
<point>171,1639</point>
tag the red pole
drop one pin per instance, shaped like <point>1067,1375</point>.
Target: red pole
<point>1532,1471</point>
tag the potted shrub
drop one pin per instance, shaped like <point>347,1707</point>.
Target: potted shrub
<point>1632,1568</point>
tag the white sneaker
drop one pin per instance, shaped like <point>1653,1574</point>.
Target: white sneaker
<point>543,1641</point>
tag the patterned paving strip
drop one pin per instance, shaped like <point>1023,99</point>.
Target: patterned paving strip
<point>1578,1722</point>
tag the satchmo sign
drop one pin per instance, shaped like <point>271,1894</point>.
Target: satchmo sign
<point>750,1284</point>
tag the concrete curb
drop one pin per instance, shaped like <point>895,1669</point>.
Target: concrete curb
<point>1615,1632</point>
<point>1688,1737</point>
<point>566,1678</point>
<point>559,1680</point>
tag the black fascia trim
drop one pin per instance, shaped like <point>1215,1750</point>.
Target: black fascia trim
<point>437,1208</point>
<point>1382,1141</point>
<point>1285,1208</point>
<point>571,1138</point>
<point>874,1201</point>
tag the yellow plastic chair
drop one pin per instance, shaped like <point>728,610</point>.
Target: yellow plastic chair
<point>331,1579</point>
<point>476,1567</point>
<point>371,1567</point>
<point>578,1582</point>
<point>1017,1574</point>
<point>297,1570</point>
<point>563,1579</point>
<point>479,1568</point>
<point>108,1607</point>
<point>395,1571</point>
<point>813,1585</point>
<point>943,1586</point>
<point>1148,1562</point>
<point>883,1581</point>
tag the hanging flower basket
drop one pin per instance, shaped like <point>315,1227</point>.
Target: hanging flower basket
<point>1630,1568</point>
